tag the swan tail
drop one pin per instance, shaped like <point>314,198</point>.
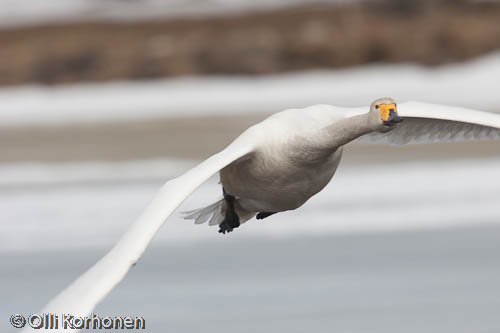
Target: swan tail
<point>214,213</point>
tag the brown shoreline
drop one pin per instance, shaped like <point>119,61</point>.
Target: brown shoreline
<point>188,137</point>
<point>314,36</point>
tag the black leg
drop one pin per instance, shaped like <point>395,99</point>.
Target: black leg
<point>263,215</point>
<point>231,219</point>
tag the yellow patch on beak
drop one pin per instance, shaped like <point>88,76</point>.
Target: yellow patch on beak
<point>385,110</point>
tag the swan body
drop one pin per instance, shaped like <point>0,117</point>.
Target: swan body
<point>274,181</point>
<point>274,166</point>
<point>286,169</point>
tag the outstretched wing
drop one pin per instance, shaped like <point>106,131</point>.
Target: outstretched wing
<point>439,123</point>
<point>83,294</point>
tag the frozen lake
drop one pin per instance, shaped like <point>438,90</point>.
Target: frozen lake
<point>439,281</point>
<point>385,246</point>
<point>90,205</point>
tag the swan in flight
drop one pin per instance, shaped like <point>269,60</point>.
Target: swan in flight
<point>274,166</point>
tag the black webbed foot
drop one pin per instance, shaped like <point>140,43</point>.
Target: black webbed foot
<point>263,215</point>
<point>231,219</point>
<point>224,227</point>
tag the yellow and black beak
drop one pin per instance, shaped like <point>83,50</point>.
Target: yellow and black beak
<point>389,114</point>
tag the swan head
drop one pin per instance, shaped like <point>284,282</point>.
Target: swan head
<point>385,112</point>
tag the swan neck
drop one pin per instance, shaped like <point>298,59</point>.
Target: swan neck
<point>348,129</point>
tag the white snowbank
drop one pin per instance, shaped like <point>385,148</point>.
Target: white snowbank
<point>474,84</point>
<point>26,12</point>
<point>90,206</point>
<point>35,175</point>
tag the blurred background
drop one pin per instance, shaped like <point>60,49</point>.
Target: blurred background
<point>103,101</point>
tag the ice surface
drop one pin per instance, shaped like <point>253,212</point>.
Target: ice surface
<point>91,205</point>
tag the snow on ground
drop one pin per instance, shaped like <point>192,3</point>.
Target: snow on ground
<point>88,205</point>
<point>473,84</point>
<point>29,12</point>
<point>15,12</point>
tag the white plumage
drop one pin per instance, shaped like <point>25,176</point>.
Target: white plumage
<point>426,123</point>
<point>277,142</point>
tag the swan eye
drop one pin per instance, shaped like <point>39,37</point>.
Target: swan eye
<point>376,107</point>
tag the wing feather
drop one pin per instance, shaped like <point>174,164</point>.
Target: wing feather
<point>426,123</point>
<point>80,297</point>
